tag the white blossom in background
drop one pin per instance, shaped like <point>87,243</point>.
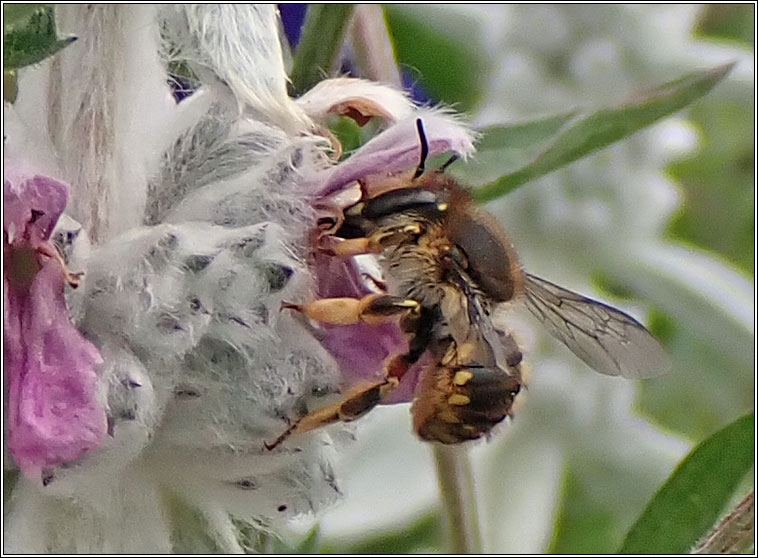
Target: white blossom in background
<point>604,213</point>
<point>191,222</point>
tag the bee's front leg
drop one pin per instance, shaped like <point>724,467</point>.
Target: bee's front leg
<point>372,244</point>
<point>371,309</point>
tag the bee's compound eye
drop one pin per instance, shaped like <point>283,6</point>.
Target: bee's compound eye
<point>490,259</point>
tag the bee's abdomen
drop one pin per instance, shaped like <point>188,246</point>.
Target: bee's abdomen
<point>463,403</point>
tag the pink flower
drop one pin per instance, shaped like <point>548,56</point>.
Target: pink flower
<point>53,412</point>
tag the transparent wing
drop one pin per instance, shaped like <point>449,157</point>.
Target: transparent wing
<point>607,339</point>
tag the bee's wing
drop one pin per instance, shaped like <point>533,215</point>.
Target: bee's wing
<point>607,339</point>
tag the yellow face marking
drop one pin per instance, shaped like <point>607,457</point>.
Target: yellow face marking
<point>441,207</point>
<point>461,377</point>
<point>458,399</point>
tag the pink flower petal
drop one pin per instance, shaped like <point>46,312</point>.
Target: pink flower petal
<point>54,415</point>
<point>43,195</point>
<point>398,149</point>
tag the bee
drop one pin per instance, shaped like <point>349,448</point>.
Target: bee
<point>448,265</point>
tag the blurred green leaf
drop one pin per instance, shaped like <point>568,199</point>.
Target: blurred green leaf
<point>309,545</point>
<point>583,526</point>
<point>10,86</point>
<point>505,148</point>
<point>32,40</point>
<point>522,134</point>
<point>690,501</point>
<point>423,535</point>
<point>10,479</point>
<point>320,44</point>
<point>350,135</point>
<point>735,22</point>
<point>604,127</point>
<point>17,14</point>
<point>437,48</point>
<point>704,378</point>
<point>718,181</point>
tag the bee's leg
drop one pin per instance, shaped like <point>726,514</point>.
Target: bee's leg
<point>372,244</point>
<point>371,309</point>
<point>358,401</point>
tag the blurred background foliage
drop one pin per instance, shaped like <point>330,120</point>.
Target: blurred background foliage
<point>584,457</point>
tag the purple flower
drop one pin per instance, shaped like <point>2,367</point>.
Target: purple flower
<point>54,415</point>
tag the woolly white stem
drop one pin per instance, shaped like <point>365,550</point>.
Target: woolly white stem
<point>372,45</point>
<point>456,484</point>
<point>734,534</point>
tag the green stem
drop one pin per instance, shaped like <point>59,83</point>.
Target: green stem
<point>320,44</point>
<point>458,499</point>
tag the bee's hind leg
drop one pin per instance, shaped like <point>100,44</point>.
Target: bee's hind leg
<point>363,397</point>
<point>358,401</point>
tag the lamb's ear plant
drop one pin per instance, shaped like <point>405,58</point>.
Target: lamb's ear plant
<point>189,215</point>
<point>686,507</point>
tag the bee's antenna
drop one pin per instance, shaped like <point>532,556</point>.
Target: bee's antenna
<point>453,158</point>
<point>424,148</point>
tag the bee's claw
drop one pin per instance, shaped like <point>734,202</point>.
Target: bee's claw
<point>290,306</point>
<point>74,278</point>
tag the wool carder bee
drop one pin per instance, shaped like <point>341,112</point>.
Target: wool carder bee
<point>447,266</point>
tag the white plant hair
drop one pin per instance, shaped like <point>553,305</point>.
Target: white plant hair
<point>198,232</point>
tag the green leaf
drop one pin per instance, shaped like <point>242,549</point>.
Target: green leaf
<point>505,148</point>
<point>18,14</point>
<point>583,526</point>
<point>309,545</point>
<point>437,48</point>
<point>320,44</point>
<point>10,479</point>
<point>604,127</point>
<point>423,535</point>
<point>690,501</point>
<point>522,134</point>
<point>718,181</point>
<point>32,41</point>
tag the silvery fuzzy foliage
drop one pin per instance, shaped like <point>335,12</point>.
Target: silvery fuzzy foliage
<point>183,289</point>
